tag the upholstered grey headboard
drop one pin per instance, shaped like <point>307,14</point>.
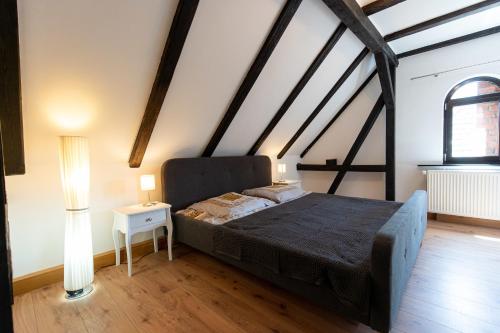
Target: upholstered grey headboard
<point>189,180</point>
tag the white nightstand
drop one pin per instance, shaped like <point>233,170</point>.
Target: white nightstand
<point>287,182</point>
<point>131,220</point>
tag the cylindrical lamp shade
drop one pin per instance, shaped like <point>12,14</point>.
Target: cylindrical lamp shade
<point>78,254</point>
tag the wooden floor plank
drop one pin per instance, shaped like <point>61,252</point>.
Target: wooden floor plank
<point>146,314</point>
<point>455,287</point>
<point>239,312</point>
<point>24,314</point>
<point>180,300</point>
<point>411,323</point>
<point>54,313</point>
<point>101,314</point>
<point>451,319</point>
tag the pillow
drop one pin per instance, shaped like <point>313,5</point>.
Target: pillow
<point>231,205</point>
<point>277,193</point>
<point>201,216</point>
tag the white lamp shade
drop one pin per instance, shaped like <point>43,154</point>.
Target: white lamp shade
<point>75,175</point>
<point>75,171</point>
<point>148,182</point>
<point>281,168</point>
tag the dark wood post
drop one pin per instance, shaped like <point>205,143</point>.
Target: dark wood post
<point>10,89</point>
<point>6,300</point>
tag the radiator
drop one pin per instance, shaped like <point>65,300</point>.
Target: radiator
<point>464,193</point>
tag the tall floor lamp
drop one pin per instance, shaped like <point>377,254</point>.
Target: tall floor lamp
<point>78,256</point>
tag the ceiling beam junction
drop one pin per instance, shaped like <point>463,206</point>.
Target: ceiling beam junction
<point>349,12</point>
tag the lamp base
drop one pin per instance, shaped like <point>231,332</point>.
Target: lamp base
<point>149,204</point>
<point>76,294</point>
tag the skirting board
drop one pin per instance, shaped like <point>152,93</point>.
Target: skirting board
<point>26,283</point>
<point>464,220</point>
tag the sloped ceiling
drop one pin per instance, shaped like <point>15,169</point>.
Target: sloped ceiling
<point>225,38</point>
<point>103,55</point>
<point>411,12</point>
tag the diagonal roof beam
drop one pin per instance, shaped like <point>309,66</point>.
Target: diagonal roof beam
<point>253,73</point>
<point>360,139</point>
<point>339,113</point>
<point>349,12</point>
<point>458,14</point>
<point>449,42</point>
<point>324,101</point>
<point>379,5</point>
<point>298,87</point>
<point>181,23</point>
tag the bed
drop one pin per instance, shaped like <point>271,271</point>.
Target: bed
<point>351,255</point>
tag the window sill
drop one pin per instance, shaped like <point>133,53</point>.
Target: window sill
<point>460,167</point>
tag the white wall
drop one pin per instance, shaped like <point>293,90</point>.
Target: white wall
<point>419,105</point>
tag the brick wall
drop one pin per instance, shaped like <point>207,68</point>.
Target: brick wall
<point>488,112</point>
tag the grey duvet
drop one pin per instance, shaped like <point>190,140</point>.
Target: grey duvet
<point>319,239</point>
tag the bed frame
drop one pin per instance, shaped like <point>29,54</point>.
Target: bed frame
<point>395,248</point>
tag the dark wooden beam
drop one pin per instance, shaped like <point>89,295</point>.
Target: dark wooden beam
<point>10,90</point>
<point>184,15</point>
<point>338,114</point>
<point>332,161</point>
<point>379,5</point>
<point>458,14</point>
<point>390,144</point>
<point>298,87</point>
<point>6,300</point>
<point>253,73</point>
<point>449,42</point>
<point>365,130</point>
<point>349,12</point>
<point>386,74</point>
<point>324,101</point>
<point>342,168</point>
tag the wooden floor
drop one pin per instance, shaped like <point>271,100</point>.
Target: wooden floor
<point>455,287</point>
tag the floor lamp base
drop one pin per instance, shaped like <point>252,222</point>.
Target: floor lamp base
<point>76,294</point>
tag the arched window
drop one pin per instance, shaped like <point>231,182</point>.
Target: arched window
<point>471,122</point>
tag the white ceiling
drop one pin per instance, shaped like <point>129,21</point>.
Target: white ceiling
<point>411,12</point>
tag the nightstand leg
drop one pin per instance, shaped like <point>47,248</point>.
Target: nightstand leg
<point>155,240</point>
<point>129,254</point>
<point>169,236</point>
<point>116,241</point>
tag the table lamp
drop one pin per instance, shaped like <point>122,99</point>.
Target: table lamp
<point>281,171</point>
<point>148,184</point>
